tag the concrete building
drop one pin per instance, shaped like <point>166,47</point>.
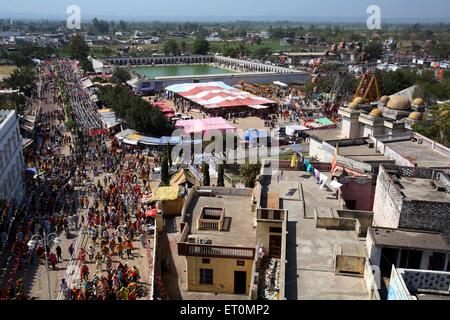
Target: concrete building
<point>408,149</point>
<point>12,164</point>
<point>410,284</point>
<point>326,256</point>
<point>388,116</point>
<point>409,249</point>
<point>412,198</point>
<point>229,243</point>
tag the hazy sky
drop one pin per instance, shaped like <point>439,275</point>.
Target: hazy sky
<point>232,8</point>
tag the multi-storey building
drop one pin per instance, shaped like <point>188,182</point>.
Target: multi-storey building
<point>12,162</point>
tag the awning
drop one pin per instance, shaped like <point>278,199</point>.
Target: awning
<point>166,193</point>
<point>258,106</point>
<point>291,129</point>
<point>150,141</point>
<point>325,121</point>
<point>121,135</point>
<point>281,84</point>
<point>131,142</point>
<point>26,143</point>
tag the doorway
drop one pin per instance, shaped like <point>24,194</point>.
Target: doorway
<point>388,258</point>
<point>240,282</point>
<point>437,261</point>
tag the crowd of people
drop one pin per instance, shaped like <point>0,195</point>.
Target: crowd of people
<point>49,203</point>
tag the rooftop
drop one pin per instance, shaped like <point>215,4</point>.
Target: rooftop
<point>420,189</point>
<point>362,153</point>
<point>4,114</point>
<point>422,154</point>
<point>327,134</point>
<point>239,220</point>
<point>414,239</point>
<point>310,250</point>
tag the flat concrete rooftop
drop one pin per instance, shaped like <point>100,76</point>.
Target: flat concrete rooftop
<point>421,154</point>
<point>310,251</point>
<point>413,239</point>
<point>327,134</point>
<point>239,220</point>
<point>362,153</point>
<point>421,189</point>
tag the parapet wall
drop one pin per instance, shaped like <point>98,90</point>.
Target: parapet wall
<point>387,204</point>
<point>426,215</point>
<point>417,280</point>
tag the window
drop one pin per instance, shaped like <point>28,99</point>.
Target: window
<point>240,263</point>
<point>206,276</point>
<point>206,261</point>
<point>275,230</point>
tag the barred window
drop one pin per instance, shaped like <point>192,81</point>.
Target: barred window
<point>206,276</point>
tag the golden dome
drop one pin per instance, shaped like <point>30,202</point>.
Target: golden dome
<point>399,103</point>
<point>385,99</point>
<point>376,113</point>
<point>418,102</point>
<point>353,106</point>
<point>415,116</point>
<point>359,100</point>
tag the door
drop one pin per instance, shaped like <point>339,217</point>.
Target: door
<point>388,258</point>
<point>437,261</point>
<point>275,246</point>
<point>240,282</point>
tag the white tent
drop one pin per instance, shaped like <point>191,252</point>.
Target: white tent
<point>258,106</point>
<point>291,129</point>
<point>281,84</point>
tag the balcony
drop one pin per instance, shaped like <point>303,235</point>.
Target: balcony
<point>211,251</point>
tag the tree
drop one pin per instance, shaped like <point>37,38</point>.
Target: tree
<point>165,178</point>
<point>249,172</point>
<point>441,115</point>
<point>220,175</point>
<point>78,48</point>
<point>171,47</point>
<point>120,75</point>
<point>122,25</point>
<point>167,154</point>
<point>22,79</point>
<point>374,50</point>
<point>262,52</point>
<point>200,46</point>
<point>439,130</point>
<point>206,180</point>
<point>139,115</point>
<point>100,26</point>
<point>86,65</point>
<point>183,47</point>
<point>231,52</point>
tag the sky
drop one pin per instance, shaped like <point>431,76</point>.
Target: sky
<point>232,9</point>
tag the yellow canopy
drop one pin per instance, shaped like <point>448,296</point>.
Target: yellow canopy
<point>181,177</point>
<point>134,136</point>
<point>104,110</point>
<point>166,193</point>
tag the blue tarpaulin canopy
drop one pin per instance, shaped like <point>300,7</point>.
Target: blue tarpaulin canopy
<point>253,134</point>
